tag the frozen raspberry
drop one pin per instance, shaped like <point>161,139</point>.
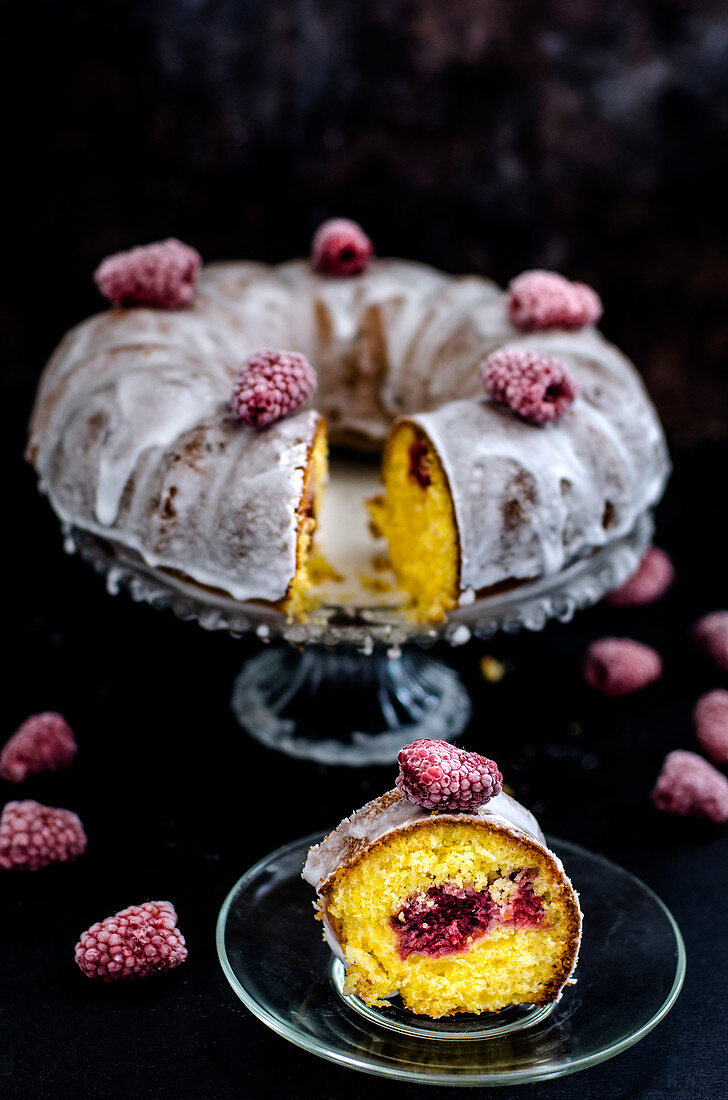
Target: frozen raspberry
<point>32,836</point>
<point>163,274</point>
<point>690,786</point>
<point>536,387</point>
<point>272,384</point>
<point>44,743</point>
<point>619,666</point>
<point>711,724</point>
<point>711,635</point>
<point>652,580</point>
<point>340,247</point>
<point>438,776</point>
<point>545,299</point>
<point>135,943</point>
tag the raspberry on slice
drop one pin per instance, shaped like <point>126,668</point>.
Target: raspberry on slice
<point>33,835</point>
<point>271,384</point>
<point>619,666</point>
<point>340,247</point>
<point>545,299</point>
<point>43,743</point>
<point>438,776</point>
<point>652,580</point>
<point>135,943</point>
<point>690,786</point>
<point>538,388</point>
<point>163,274</point>
<point>711,635</point>
<point>711,724</point>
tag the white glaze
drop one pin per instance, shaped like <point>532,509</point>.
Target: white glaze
<point>374,821</point>
<point>128,390</point>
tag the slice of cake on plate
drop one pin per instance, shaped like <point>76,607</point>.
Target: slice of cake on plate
<point>445,892</point>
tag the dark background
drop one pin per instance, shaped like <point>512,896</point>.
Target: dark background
<point>475,136</point>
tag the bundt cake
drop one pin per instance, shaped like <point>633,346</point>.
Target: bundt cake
<point>444,891</point>
<point>476,497</point>
<point>133,438</point>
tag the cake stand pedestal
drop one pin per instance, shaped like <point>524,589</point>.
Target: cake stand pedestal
<point>390,697</point>
<point>360,660</point>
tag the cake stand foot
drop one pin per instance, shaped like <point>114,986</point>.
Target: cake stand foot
<point>369,704</point>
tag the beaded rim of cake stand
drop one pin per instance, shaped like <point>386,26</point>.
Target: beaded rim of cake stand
<point>527,607</point>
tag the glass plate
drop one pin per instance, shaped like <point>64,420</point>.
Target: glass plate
<point>630,972</point>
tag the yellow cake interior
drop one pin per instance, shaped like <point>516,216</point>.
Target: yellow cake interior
<point>415,515</point>
<point>505,966</point>
<point>297,601</point>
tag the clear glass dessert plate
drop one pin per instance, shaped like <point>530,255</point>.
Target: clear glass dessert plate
<point>630,972</point>
<point>349,651</point>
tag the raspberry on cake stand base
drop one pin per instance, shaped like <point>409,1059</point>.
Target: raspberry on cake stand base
<point>359,659</point>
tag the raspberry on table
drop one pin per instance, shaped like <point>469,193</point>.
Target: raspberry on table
<point>44,742</point>
<point>137,942</point>
<point>652,579</point>
<point>537,387</point>
<point>710,718</point>
<point>33,836</point>
<point>271,384</point>
<point>690,786</point>
<point>162,275</point>
<point>545,299</point>
<point>340,247</point>
<point>711,635</point>
<point>619,666</point>
<point>437,776</point>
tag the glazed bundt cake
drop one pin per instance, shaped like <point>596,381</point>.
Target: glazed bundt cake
<point>444,892</point>
<point>476,496</point>
<point>134,441</point>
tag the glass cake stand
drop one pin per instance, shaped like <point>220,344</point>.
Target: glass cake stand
<point>630,972</point>
<point>358,650</point>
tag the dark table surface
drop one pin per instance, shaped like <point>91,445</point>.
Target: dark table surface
<point>177,801</point>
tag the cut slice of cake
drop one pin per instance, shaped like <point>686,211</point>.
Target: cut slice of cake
<point>444,891</point>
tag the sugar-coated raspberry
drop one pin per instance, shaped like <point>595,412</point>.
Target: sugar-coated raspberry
<point>32,836</point>
<point>711,635</point>
<point>690,786</point>
<point>438,776</point>
<point>545,299</point>
<point>652,580</point>
<point>711,724</point>
<point>271,384</point>
<point>537,387</point>
<point>135,943</point>
<point>163,274</point>
<point>341,247</point>
<point>44,743</point>
<point>619,666</point>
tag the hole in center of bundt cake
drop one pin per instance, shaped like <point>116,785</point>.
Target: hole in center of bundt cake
<point>447,918</point>
<point>419,467</point>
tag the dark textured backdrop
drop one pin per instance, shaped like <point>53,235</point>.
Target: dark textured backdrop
<point>483,135</point>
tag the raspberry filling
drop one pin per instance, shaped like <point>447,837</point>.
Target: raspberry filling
<point>419,468</point>
<point>447,918</point>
